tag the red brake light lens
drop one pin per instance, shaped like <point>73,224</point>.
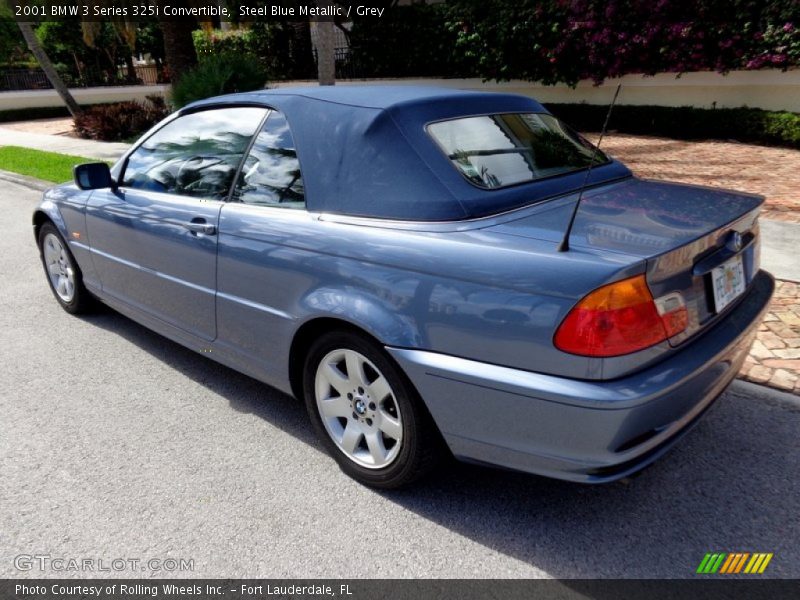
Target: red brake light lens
<point>620,318</point>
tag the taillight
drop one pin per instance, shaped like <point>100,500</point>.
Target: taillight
<point>672,310</point>
<point>620,318</point>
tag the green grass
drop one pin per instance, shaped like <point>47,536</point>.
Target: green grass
<point>49,166</point>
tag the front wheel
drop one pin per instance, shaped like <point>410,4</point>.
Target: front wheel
<point>366,413</point>
<point>62,271</point>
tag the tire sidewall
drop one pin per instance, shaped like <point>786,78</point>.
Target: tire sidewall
<point>405,397</point>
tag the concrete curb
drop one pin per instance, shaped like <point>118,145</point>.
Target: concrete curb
<point>777,395</point>
<point>25,181</point>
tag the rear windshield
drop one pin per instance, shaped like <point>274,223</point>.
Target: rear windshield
<point>495,151</point>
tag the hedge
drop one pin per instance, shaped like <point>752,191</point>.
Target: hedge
<point>687,123</point>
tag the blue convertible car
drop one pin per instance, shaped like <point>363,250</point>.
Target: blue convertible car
<point>391,256</point>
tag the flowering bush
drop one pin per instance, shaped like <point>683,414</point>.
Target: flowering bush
<point>569,40</point>
<point>780,47</point>
<point>120,121</point>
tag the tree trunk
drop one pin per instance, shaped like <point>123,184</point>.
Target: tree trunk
<point>49,70</point>
<point>326,54</point>
<point>131,69</point>
<point>179,49</point>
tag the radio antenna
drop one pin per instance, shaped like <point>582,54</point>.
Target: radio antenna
<point>564,245</point>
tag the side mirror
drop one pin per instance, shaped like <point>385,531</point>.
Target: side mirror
<point>93,176</point>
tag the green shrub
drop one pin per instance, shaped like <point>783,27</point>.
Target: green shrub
<point>217,41</point>
<point>218,74</point>
<point>121,121</point>
<point>282,49</point>
<point>741,124</point>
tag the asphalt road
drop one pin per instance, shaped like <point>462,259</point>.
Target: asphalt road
<point>116,443</point>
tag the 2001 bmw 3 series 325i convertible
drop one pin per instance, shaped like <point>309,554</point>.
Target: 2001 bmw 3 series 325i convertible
<point>391,256</point>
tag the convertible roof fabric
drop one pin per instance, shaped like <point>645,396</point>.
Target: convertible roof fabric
<point>364,151</point>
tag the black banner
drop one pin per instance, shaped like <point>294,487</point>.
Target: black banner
<point>377,589</point>
<point>204,10</point>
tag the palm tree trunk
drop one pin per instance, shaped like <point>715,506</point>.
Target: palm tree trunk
<point>179,49</point>
<point>326,53</point>
<point>49,70</point>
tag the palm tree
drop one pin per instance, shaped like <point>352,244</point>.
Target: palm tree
<point>179,49</point>
<point>49,70</point>
<point>326,53</point>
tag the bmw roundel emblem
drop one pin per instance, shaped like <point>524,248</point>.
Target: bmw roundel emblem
<point>735,242</point>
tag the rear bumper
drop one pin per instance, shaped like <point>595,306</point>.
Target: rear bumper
<point>586,431</point>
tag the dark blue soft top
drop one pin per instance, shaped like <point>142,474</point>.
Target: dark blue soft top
<point>364,150</point>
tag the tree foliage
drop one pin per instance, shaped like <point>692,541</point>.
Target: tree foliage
<point>412,41</point>
<point>12,45</point>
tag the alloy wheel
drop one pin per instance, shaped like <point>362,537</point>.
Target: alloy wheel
<point>358,408</point>
<point>59,267</point>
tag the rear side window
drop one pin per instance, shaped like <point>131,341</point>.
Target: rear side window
<point>271,175</point>
<point>196,154</point>
<point>495,151</point>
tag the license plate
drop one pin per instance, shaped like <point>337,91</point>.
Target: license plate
<point>728,282</point>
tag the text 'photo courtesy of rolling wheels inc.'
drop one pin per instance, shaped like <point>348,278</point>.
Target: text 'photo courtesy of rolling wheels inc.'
<point>409,299</point>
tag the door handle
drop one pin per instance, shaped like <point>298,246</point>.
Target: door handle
<point>200,226</point>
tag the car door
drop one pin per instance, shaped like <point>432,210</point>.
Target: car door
<point>262,252</point>
<point>154,239</point>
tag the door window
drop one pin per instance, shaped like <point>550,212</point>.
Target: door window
<point>271,172</point>
<point>194,155</point>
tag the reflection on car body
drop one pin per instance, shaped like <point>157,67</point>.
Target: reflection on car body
<point>389,255</point>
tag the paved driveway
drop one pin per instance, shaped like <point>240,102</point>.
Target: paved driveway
<point>116,443</point>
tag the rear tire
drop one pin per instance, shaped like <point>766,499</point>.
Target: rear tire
<point>366,413</point>
<point>62,272</point>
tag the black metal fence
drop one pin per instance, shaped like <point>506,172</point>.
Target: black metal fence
<point>346,64</point>
<point>35,79</point>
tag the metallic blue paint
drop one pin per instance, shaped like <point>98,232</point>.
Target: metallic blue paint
<point>581,430</point>
<point>466,306</point>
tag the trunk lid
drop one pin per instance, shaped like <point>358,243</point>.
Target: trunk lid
<point>684,233</point>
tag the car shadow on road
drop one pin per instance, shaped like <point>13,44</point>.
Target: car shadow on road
<point>244,394</point>
<point>731,485</point>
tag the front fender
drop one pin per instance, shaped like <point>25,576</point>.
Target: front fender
<point>65,206</point>
<point>47,210</point>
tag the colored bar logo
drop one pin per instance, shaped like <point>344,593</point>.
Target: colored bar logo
<point>732,563</point>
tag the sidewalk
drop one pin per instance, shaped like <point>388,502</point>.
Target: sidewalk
<point>775,357</point>
<point>62,144</point>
